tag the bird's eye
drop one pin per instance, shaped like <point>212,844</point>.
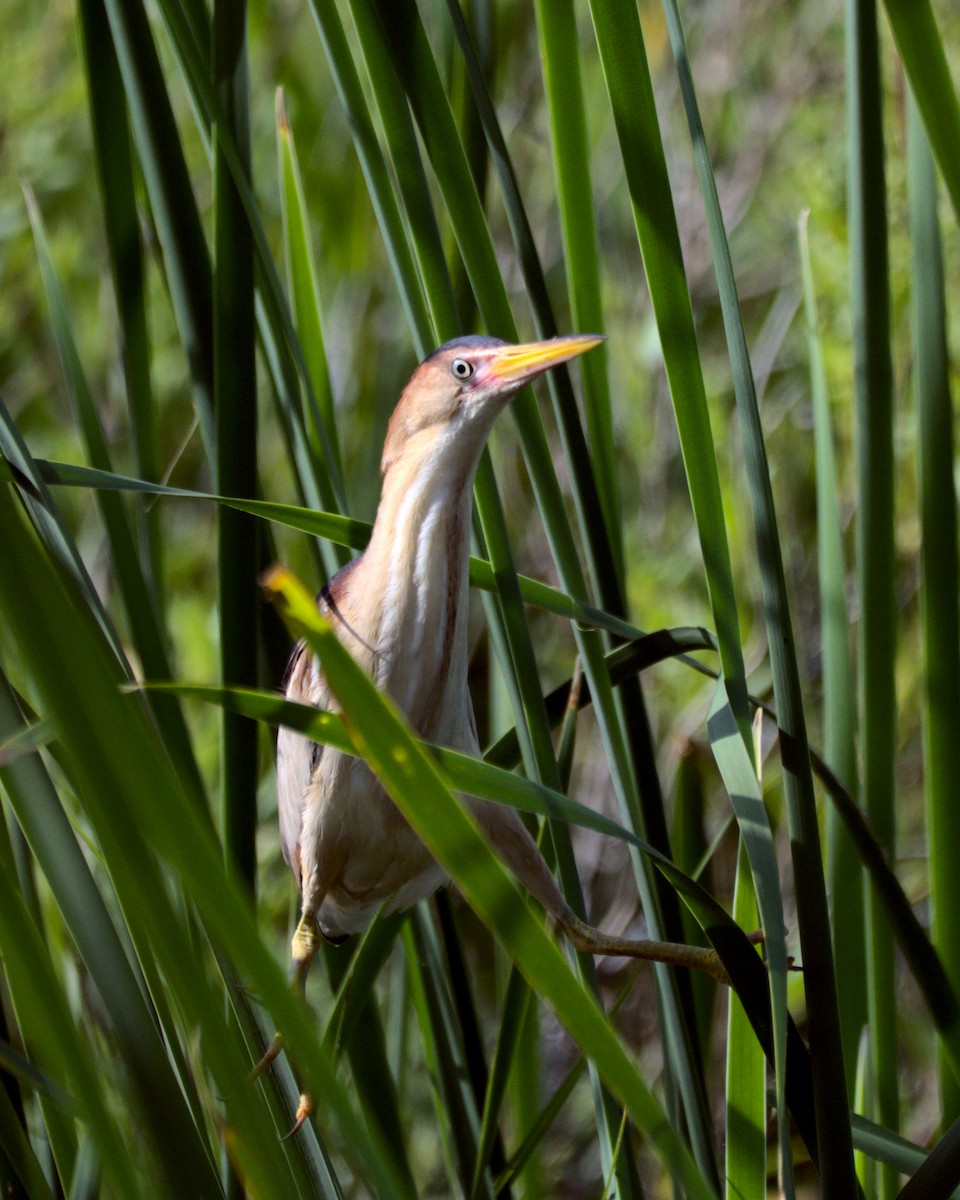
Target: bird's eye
<point>461,369</point>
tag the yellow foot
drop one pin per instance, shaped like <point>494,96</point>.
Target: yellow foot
<point>306,942</point>
<point>304,1109</point>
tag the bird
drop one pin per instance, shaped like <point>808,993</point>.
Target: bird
<point>401,608</point>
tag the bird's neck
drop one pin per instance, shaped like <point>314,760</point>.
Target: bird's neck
<point>418,561</point>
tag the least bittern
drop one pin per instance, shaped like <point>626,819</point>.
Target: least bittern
<point>401,609</point>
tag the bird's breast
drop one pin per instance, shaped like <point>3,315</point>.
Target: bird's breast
<point>419,633</point>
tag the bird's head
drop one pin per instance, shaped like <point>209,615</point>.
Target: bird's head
<point>457,393</point>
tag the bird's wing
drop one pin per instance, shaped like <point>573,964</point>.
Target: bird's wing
<point>294,761</point>
<point>297,757</point>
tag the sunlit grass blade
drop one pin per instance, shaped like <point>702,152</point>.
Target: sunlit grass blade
<point>876,564</point>
<point>628,84</point>
<point>940,572</point>
<point>641,792</point>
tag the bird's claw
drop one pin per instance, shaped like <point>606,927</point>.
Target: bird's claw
<point>304,1109</point>
<point>271,1054</point>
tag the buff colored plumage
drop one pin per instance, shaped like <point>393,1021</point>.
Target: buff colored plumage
<point>401,609</point>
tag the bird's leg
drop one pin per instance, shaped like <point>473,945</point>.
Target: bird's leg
<point>303,949</point>
<point>306,942</point>
<point>592,941</point>
<point>519,851</point>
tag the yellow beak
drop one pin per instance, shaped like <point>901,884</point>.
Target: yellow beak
<point>517,364</point>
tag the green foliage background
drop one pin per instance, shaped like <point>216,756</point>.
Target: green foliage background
<point>407,1105</point>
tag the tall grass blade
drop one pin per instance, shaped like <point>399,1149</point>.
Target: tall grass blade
<point>745,1160</point>
<point>812,909</point>
<point>925,61</point>
<point>873,375</point>
<point>318,475</point>
<point>624,61</point>
<point>940,572</point>
<point>939,1176</point>
<point>844,870</point>
<point>172,202</point>
<point>111,139</point>
<point>346,78</point>
<point>740,779</point>
<point>451,1102</point>
<point>139,601</point>
<point>440,1022</point>
<point>305,292</point>
<point>360,1037</point>
<point>235,403</point>
<point>563,88</point>
<point>412,187</point>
